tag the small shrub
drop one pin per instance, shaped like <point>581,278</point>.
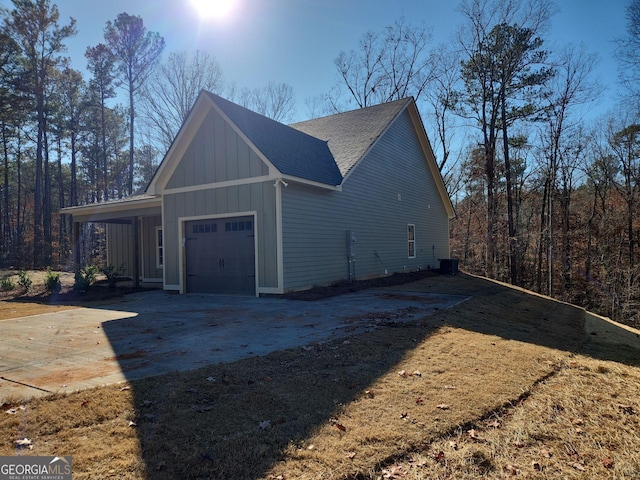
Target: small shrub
<point>24,280</point>
<point>85,277</point>
<point>113,274</point>
<point>52,282</point>
<point>6,284</point>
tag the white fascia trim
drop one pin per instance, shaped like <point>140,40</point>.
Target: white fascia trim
<point>247,181</point>
<point>289,178</point>
<point>279,246</point>
<point>228,183</point>
<point>114,207</point>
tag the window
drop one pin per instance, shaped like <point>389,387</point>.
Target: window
<point>411,240</point>
<point>159,248</point>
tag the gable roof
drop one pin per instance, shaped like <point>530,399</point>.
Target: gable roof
<point>292,151</point>
<point>351,134</point>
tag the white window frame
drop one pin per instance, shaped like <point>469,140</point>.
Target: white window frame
<point>411,240</point>
<point>159,248</point>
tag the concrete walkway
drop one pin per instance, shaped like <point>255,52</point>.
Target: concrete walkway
<point>156,332</point>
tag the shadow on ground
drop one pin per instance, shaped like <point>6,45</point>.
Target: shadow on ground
<point>235,420</point>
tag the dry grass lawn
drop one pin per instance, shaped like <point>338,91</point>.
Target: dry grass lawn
<point>506,384</point>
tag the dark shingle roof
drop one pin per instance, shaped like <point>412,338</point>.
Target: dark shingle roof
<point>291,151</point>
<point>350,134</point>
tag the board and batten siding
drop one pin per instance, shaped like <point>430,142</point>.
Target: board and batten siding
<point>120,247</point>
<point>216,154</point>
<point>224,202</point>
<point>390,188</point>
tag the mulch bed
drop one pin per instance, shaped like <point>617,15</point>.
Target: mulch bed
<point>340,288</point>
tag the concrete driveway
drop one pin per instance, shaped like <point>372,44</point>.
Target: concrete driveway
<point>156,332</point>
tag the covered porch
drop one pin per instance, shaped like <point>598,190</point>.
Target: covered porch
<point>134,234</point>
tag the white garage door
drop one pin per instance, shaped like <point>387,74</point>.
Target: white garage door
<point>220,256</point>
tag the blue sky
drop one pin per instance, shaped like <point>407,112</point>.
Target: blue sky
<point>296,41</point>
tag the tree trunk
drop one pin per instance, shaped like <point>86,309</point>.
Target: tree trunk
<point>46,206</point>
<point>131,119</point>
<point>6,228</point>
<point>511,227</point>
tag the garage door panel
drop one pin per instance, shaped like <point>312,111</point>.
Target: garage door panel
<point>220,256</point>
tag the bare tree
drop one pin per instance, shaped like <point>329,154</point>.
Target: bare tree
<point>275,100</point>
<point>136,51</point>
<point>172,91</point>
<point>442,98</point>
<point>562,140</point>
<point>387,65</point>
<point>628,52</point>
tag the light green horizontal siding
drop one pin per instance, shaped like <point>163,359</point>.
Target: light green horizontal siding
<point>258,197</point>
<point>315,221</point>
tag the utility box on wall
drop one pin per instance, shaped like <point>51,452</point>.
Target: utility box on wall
<point>448,266</point>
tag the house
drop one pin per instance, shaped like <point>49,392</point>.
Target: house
<point>243,204</point>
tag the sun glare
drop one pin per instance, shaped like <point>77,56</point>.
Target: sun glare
<point>213,9</point>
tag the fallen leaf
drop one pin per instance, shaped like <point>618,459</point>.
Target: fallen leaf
<point>417,373</point>
<point>395,471</point>
<point>402,373</point>
<point>419,401</point>
<point>341,427</point>
<point>125,388</point>
<point>351,455</point>
<point>443,406</point>
<point>578,466</point>
<point>511,469</point>
<point>545,453</point>
<point>404,415</point>
<point>439,456</point>
<point>453,445</point>
<point>370,393</point>
<point>24,443</point>
<point>14,410</point>
<point>607,462</point>
<point>311,447</point>
<point>450,387</point>
<point>494,424</point>
<point>579,431</point>
<point>210,379</point>
<point>132,423</point>
<point>474,434</point>
<point>626,409</point>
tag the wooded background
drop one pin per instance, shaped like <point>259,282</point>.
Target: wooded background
<point>546,197</point>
